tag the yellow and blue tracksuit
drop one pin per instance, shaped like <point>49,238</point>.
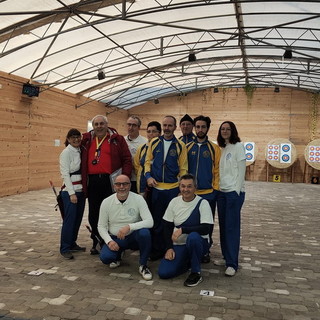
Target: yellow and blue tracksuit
<point>166,171</point>
<point>138,161</point>
<point>188,138</point>
<point>203,163</point>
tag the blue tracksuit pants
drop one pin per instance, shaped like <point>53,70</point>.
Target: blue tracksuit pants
<point>137,240</point>
<point>186,256</point>
<point>229,208</point>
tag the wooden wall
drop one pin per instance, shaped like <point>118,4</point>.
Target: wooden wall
<point>29,128</point>
<point>266,115</point>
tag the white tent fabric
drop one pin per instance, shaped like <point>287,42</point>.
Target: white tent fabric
<point>142,47</point>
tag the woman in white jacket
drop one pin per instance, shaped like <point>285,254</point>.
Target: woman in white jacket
<point>231,196</point>
<point>72,195</point>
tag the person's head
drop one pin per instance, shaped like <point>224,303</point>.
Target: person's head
<point>100,125</point>
<point>133,124</point>
<point>153,130</point>
<point>187,186</point>
<point>122,186</point>
<point>73,137</point>
<point>228,133</point>
<point>186,124</point>
<point>202,125</point>
<point>169,125</point>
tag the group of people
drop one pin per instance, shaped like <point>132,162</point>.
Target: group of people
<point>157,194</point>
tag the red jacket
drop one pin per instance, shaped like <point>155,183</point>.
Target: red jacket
<point>120,155</point>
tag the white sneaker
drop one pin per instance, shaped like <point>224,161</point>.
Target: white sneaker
<point>219,262</point>
<point>145,272</point>
<point>114,264</point>
<point>230,272</point>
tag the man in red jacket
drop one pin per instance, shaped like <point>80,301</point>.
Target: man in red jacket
<point>104,152</point>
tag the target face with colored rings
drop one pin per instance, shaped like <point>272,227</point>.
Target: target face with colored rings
<point>285,148</point>
<point>249,156</point>
<point>285,158</point>
<point>249,146</point>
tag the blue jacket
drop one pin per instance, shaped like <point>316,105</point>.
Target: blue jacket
<point>166,172</point>
<point>139,160</point>
<point>203,163</point>
<point>188,138</point>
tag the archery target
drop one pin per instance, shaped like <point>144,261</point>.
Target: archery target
<point>285,153</point>
<point>250,151</point>
<point>314,154</point>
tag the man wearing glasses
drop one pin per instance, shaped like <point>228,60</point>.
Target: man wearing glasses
<point>104,152</point>
<point>134,140</point>
<point>124,223</point>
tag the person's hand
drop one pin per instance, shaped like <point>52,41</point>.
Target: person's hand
<point>123,232</point>
<point>176,234</point>
<point>113,246</point>
<point>73,198</point>
<point>151,182</point>
<point>170,254</point>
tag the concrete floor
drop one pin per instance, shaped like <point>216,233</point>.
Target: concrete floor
<point>279,276</point>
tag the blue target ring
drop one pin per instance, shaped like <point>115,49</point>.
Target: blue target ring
<point>249,156</point>
<point>249,146</point>
<point>285,148</point>
<point>285,158</point>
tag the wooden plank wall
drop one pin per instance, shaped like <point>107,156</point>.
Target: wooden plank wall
<point>262,118</point>
<point>29,128</point>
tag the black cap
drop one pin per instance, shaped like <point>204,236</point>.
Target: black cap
<point>186,117</point>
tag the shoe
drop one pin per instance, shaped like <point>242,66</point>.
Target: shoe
<point>94,251</point>
<point>230,272</point>
<point>219,262</point>
<point>114,264</point>
<point>77,248</point>
<point>67,255</point>
<point>206,258</point>
<point>145,272</point>
<point>193,279</point>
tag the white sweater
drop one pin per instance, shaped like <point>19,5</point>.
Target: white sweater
<point>70,161</point>
<point>115,215</point>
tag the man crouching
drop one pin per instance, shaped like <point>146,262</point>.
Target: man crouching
<point>187,223</point>
<point>124,222</point>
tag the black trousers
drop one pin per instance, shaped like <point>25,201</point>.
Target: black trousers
<point>99,188</point>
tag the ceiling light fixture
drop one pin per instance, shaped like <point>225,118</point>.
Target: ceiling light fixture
<point>192,56</point>
<point>101,75</point>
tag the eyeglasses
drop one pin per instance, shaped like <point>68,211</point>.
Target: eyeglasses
<point>132,125</point>
<point>75,137</point>
<point>119,184</point>
<point>152,131</point>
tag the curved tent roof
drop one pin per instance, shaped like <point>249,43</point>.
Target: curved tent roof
<point>126,53</point>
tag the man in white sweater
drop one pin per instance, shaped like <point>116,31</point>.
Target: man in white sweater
<point>124,222</point>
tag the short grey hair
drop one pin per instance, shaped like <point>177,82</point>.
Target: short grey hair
<point>136,118</point>
<point>98,116</point>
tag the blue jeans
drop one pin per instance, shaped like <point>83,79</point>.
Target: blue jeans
<point>186,255</point>
<point>229,209</point>
<point>138,239</point>
<point>73,213</point>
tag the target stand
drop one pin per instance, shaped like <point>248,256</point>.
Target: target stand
<point>281,154</point>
